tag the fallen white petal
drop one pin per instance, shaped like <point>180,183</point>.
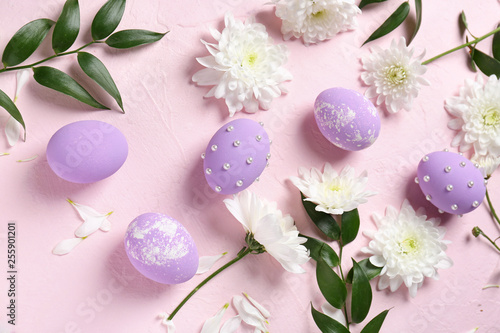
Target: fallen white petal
<point>491,286</point>
<point>85,211</point>
<point>93,220</point>
<point>28,159</point>
<point>212,324</point>
<point>22,77</point>
<point>4,154</point>
<point>90,226</point>
<point>170,325</point>
<point>258,306</point>
<point>248,313</point>
<point>473,330</point>
<point>231,325</point>
<point>105,226</point>
<point>12,131</point>
<point>65,246</point>
<point>207,262</point>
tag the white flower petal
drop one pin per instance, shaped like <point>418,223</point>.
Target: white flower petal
<point>91,225</point>
<point>29,159</point>
<point>12,131</point>
<point>22,77</point>
<point>93,220</point>
<point>205,263</point>
<point>212,324</point>
<point>106,225</point>
<point>248,313</point>
<point>65,246</point>
<point>170,325</point>
<point>334,313</point>
<point>258,306</point>
<point>231,325</point>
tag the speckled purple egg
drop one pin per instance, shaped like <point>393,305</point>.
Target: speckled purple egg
<point>87,151</point>
<point>451,182</point>
<point>236,156</point>
<point>161,249</point>
<point>346,118</point>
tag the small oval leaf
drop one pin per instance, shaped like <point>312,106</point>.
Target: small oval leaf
<point>96,70</point>
<point>67,27</point>
<point>462,22</point>
<point>330,284</point>
<point>325,222</point>
<point>25,41</point>
<point>350,226</point>
<point>496,45</point>
<point>485,63</point>
<point>367,2</point>
<point>376,323</point>
<point>62,82</point>
<point>318,249</point>
<point>134,37</point>
<point>12,109</point>
<point>370,270</point>
<point>107,19</point>
<point>418,14</point>
<point>361,294</point>
<point>327,324</point>
<point>391,23</point>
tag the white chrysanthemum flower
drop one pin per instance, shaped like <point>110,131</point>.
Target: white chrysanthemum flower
<point>487,164</point>
<point>477,112</point>
<point>245,67</point>
<point>316,20</point>
<point>268,226</point>
<point>333,193</point>
<point>408,247</point>
<point>393,75</point>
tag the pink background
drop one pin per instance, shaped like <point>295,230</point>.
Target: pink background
<point>168,124</point>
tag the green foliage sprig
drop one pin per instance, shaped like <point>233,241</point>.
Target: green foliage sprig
<point>333,285</point>
<point>395,19</point>
<point>66,29</point>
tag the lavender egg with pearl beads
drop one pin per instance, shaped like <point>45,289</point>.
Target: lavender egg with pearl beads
<point>346,118</point>
<point>451,182</point>
<point>236,156</point>
<point>161,249</point>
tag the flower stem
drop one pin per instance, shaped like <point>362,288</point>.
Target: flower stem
<point>493,212</point>
<point>341,247</point>
<point>475,41</point>
<point>476,231</point>
<point>8,69</point>
<point>240,255</point>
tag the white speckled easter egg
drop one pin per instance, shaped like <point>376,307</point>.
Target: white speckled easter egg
<point>451,182</point>
<point>87,151</point>
<point>346,118</point>
<point>161,248</point>
<point>236,156</point>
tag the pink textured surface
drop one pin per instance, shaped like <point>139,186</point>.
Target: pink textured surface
<point>168,125</point>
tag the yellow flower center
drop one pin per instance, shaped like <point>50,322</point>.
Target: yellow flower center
<point>408,246</point>
<point>319,14</point>
<point>395,75</point>
<point>335,188</point>
<point>492,117</point>
<point>250,59</point>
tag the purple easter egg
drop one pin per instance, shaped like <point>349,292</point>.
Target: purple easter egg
<point>161,249</point>
<point>86,151</point>
<point>346,118</point>
<point>451,182</point>
<point>236,156</point>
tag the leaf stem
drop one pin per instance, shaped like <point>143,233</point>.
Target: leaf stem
<point>8,69</point>
<point>238,257</point>
<point>493,212</point>
<point>341,247</point>
<point>475,41</point>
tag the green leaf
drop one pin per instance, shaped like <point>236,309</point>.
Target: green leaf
<point>361,294</point>
<point>391,23</point>
<point>62,82</point>
<point>318,249</point>
<point>96,70</point>
<point>67,27</point>
<point>25,41</point>
<point>463,25</point>
<point>486,64</point>
<point>418,13</point>
<point>496,45</point>
<point>376,323</point>
<point>367,2</point>
<point>330,284</point>
<point>370,270</point>
<point>350,226</point>
<point>12,109</point>
<point>325,222</point>
<point>107,19</point>
<point>134,37</point>
<point>327,324</point>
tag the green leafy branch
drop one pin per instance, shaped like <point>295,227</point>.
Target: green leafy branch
<point>395,19</point>
<point>333,285</point>
<point>66,29</point>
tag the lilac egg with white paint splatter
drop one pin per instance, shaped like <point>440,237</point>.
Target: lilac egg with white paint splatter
<point>161,249</point>
<point>451,182</point>
<point>236,156</point>
<point>86,151</point>
<point>346,118</point>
